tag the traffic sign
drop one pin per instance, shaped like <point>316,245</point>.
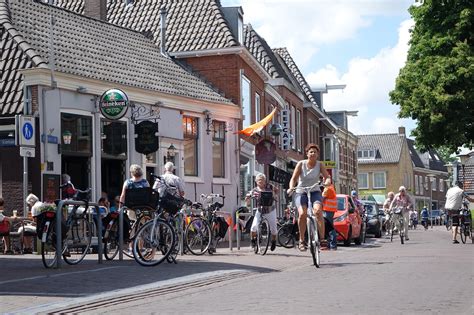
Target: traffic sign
<point>26,129</point>
<point>27,151</point>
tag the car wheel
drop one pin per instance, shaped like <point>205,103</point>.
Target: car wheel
<point>379,233</point>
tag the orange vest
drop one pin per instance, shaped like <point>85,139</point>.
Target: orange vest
<point>330,201</point>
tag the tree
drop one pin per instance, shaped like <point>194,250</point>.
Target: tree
<point>435,87</point>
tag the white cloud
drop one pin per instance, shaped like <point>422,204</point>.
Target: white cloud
<point>368,83</point>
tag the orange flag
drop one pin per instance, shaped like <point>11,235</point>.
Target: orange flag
<point>258,126</point>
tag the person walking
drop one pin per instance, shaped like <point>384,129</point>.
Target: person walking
<point>307,173</point>
<point>329,208</point>
<point>454,197</point>
<point>403,200</point>
<point>171,180</point>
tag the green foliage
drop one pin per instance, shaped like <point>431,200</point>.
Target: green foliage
<point>436,86</point>
<point>445,154</point>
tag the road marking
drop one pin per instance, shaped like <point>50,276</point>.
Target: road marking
<point>58,275</point>
<point>107,296</point>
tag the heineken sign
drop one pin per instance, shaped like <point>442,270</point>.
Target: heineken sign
<point>113,104</point>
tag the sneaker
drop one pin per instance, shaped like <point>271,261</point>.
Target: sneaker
<point>254,242</point>
<point>272,248</point>
<point>455,242</point>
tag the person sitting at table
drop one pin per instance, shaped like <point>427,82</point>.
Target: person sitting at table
<point>4,221</point>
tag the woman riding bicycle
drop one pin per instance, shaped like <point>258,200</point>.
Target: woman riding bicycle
<point>268,211</point>
<point>307,173</point>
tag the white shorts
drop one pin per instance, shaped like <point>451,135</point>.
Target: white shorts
<point>272,221</point>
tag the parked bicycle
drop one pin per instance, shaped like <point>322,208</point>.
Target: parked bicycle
<point>76,232</point>
<point>312,227</point>
<point>205,230</point>
<point>156,239</point>
<point>288,233</point>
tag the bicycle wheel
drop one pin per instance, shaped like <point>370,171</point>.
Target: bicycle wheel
<point>48,247</point>
<point>392,230</point>
<point>111,243</point>
<point>197,236</point>
<point>401,231</point>
<point>153,243</point>
<point>285,237</point>
<point>462,232</point>
<point>263,237</point>
<point>314,245</point>
<point>78,241</point>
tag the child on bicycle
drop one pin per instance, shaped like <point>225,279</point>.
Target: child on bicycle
<point>268,211</point>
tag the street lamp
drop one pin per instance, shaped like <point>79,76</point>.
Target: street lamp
<point>431,176</point>
<point>171,152</point>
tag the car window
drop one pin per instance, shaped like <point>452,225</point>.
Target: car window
<point>341,203</point>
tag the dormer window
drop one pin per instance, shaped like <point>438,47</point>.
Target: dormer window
<point>368,154</point>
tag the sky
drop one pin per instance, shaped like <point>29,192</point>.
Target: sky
<point>360,43</point>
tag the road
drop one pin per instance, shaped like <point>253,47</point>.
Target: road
<point>426,275</point>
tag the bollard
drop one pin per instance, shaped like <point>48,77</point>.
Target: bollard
<point>121,233</point>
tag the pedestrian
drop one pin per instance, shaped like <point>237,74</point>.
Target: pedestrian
<point>403,200</point>
<point>454,198</point>
<point>307,173</point>
<point>4,228</point>
<point>329,209</point>
<point>171,180</point>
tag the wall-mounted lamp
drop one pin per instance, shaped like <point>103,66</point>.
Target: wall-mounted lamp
<point>207,117</point>
<point>171,152</point>
<point>67,137</point>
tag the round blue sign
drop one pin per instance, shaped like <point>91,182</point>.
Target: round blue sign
<point>27,131</point>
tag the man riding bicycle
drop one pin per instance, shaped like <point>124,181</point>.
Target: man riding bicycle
<point>386,211</point>
<point>403,200</point>
<point>453,204</point>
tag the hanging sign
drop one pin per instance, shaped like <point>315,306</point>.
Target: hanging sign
<point>113,104</point>
<point>265,152</point>
<point>146,139</point>
<point>285,135</point>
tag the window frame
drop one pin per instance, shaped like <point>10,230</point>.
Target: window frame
<point>359,182</point>
<point>192,136</point>
<point>384,180</point>
<point>219,129</point>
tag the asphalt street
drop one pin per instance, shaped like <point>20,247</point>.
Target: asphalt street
<point>427,275</point>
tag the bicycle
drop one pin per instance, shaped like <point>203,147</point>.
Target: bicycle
<point>465,226</point>
<point>156,240</point>
<point>312,227</point>
<point>204,231</point>
<point>263,227</point>
<point>77,233</point>
<point>288,233</point>
<point>398,223</point>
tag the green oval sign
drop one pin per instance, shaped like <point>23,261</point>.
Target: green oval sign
<point>113,104</point>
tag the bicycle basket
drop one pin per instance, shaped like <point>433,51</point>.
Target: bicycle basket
<point>397,210</point>
<point>171,203</point>
<point>266,198</point>
<point>141,197</point>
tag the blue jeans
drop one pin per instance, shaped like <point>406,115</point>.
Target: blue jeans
<point>328,215</point>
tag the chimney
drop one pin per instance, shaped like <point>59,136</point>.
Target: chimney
<point>163,31</point>
<point>401,131</point>
<point>96,9</point>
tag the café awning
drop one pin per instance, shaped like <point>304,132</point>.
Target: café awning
<point>258,126</point>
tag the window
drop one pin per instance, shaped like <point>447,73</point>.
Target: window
<point>293,126</point>
<point>366,154</point>
<point>257,107</point>
<point>218,149</point>
<point>298,130</point>
<point>190,131</point>
<point>328,152</point>
<point>79,128</point>
<point>246,101</point>
<point>114,138</point>
<point>433,184</point>
<point>363,180</point>
<point>379,180</point>
<point>416,185</point>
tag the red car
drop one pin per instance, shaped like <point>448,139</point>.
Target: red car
<point>347,221</point>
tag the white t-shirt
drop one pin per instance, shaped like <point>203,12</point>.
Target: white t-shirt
<point>454,198</point>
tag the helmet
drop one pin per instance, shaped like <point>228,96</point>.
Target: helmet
<point>353,193</point>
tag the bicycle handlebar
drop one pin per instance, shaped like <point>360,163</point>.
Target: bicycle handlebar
<point>305,189</point>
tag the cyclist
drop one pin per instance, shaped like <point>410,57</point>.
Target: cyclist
<point>424,217</point>
<point>386,211</point>
<point>453,204</point>
<point>307,173</point>
<point>268,211</point>
<point>403,200</point>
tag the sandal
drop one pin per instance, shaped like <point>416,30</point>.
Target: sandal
<point>302,246</point>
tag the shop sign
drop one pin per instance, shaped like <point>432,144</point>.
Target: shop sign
<point>279,176</point>
<point>113,104</point>
<point>265,152</point>
<point>329,164</point>
<point>285,135</point>
<point>146,140</point>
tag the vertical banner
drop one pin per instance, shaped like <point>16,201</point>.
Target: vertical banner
<point>285,135</point>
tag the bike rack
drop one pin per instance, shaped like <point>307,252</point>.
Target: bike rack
<point>59,215</point>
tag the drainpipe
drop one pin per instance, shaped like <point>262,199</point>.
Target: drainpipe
<point>163,32</point>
